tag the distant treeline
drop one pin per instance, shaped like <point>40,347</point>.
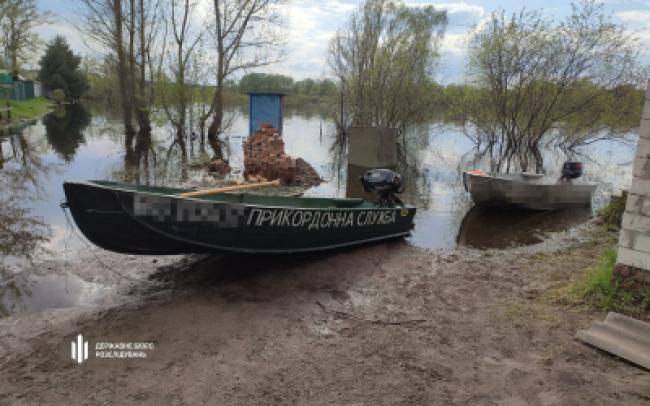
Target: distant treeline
<point>620,109</point>
<point>264,82</point>
<point>299,92</point>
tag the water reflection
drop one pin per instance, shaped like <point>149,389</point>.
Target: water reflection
<point>489,228</point>
<point>34,161</point>
<point>23,233</point>
<point>64,129</point>
<point>22,170</point>
<point>26,292</point>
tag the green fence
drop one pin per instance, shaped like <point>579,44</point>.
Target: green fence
<point>20,90</point>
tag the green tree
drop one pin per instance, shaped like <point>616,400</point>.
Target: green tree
<point>60,69</point>
<point>528,76</point>
<point>265,82</point>
<point>384,60</point>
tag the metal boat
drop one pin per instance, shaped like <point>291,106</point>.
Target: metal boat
<point>528,190</point>
<point>159,220</point>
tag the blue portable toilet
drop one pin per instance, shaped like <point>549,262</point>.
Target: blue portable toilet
<point>265,107</point>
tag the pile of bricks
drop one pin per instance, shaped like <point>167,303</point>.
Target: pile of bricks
<point>265,159</point>
<point>219,167</point>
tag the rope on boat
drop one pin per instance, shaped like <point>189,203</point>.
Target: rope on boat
<point>70,225</point>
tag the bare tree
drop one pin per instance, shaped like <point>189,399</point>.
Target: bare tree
<point>127,29</point>
<point>18,18</point>
<point>177,94</point>
<point>244,37</point>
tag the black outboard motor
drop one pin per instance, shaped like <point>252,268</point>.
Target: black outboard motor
<point>571,170</point>
<point>384,183</point>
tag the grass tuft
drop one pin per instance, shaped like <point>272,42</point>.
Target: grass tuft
<point>612,214</point>
<point>598,288</point>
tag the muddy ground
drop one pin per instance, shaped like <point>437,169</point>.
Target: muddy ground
<point>380,324</point>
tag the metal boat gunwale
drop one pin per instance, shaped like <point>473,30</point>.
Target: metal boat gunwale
<point>251,205</point>
<point>117,192</point>
<point>528,180</point>
<point>487,189</point>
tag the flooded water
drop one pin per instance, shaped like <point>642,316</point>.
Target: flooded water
<point>75,144</point>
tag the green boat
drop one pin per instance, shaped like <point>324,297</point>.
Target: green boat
<point>158,220</point>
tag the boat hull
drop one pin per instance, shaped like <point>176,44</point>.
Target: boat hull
<point>143,223</point>
<point>495,191</point>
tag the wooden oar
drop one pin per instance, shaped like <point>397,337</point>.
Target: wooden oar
<point>207,192</point>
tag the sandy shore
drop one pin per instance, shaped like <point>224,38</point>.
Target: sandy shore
<point>382,324</point>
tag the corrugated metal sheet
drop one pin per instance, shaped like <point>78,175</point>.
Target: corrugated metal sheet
<point>620,335</point>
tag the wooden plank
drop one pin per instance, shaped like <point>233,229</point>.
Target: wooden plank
<point>207,192</point>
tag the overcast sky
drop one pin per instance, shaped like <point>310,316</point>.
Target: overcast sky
<point>311,23</point>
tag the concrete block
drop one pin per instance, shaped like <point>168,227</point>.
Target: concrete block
<point>642,147</point>
<point>636,222</point>
<point>634,258</point>
<point>640,186</point>
<point>641,167</point>
<point>638,204</point>
<point>644,129</point>
<point>634,240</point>
<point>646,110</point>
<point>625,238</point>
<point>620,335</point>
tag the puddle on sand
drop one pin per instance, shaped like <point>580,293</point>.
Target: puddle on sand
<point>485,229</point>
<point>23,293</point>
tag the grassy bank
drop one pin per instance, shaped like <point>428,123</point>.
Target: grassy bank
<point>28,109</point>
<point>597,288</point>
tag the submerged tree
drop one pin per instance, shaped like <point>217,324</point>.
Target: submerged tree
<point>127,29</point>
<point>180,55</point>
<point>244,37</point>
<point>384,60</point>
<point>528,76</point>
